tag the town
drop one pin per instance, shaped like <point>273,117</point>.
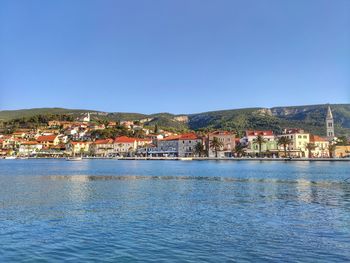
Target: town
<point>82,139</point>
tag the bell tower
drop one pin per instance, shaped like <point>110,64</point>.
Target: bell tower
<point>329,124</point>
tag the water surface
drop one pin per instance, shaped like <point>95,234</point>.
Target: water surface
<point>173,211</point>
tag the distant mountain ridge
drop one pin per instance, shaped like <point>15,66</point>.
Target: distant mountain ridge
<point>309,117</point>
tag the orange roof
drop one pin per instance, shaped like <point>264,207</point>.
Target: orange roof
<point>316,138</point>
<point>185,136</point>
<point>222,133</point>
<point>143,140</point>
<point>124,139</point>
<point>259,132</point>
<point>46,138</point>
<point>103,141</point>
<point>30,143</point>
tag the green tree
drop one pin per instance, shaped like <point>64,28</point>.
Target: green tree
<point>342,140</point>
<point>331,149</point>
<point>156,128</point>
<point>215,144</point>
<point>199,149</point>
<point>284,141</point>
<point>310,147</point>
<point>260,140</point>
<point>239,149</point>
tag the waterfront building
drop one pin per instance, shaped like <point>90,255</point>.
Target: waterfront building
<point>124,145</point>
<point>177,145</point>
<point>342,151</point>
<point>268,147</point>
<point>321,145</point>
<point>103,147</point>
<point>329,124</point>
<point>77,147</point>
<point>299,140</point>
<point>228,143</point>
<point>29,147</point>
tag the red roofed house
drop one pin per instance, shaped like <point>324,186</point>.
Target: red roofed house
<point>48,140</point>
<point>178,145</point>
<point>269,147</point>
<point>103,147</point>
<point>228,140</point>
<point>321,146</point>
<point>124,145</point>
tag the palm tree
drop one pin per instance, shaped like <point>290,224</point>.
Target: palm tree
<point>198,149</point>
<point>310,147</point>
<point>284,141</point>
<point>260,141</point>
<point>331,149</point>
<point>215,144</point>
<point>239,149</point>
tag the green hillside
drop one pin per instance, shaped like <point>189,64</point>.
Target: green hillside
<point>309,117</point>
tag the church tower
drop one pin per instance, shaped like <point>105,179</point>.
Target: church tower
<point>330,124</point>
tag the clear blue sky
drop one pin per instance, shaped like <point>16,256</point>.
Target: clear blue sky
<point>180,56</point>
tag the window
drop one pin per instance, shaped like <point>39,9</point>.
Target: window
<point>299,136</point>
<point>305,137</point>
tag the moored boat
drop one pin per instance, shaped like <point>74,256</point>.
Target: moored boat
<point>10,157</point>
<point>74,158</point>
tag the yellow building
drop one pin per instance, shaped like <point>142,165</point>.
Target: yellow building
<point>342,151</point>
<point>299,140</point>
<point>78,147</point>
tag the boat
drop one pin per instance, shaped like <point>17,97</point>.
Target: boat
<point>185,159</point>
<point>74,158</point>
<point>10,157</point>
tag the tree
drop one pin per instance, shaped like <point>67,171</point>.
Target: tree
<point>310,147</point>
<point>260,141</point>
<point>215,144</point>
<point>198,149</point>
<point>239,149</point>
<point>156,128</point>
<point>284,141</point>
<point>342,140</point>
<point>331,149</point>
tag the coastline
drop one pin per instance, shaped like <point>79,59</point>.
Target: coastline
<point>196,159</point>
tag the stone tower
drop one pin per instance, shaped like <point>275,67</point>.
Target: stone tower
<point>330,124</point>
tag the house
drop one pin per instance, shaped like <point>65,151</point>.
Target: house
<point>78,147</point>
<point>228,143</point>
<point>48,140</point>
<point>29,148</point>
<point>342,151</point>
<point>124,145</point>
<point>299,140</point>
<point>269,146</point>
<point>321,144</point>
<point>103,147</point>
<point>177,145</point>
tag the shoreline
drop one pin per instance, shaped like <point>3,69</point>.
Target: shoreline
<point>194,159</point>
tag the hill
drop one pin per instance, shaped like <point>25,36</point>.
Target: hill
<point>309,117</point>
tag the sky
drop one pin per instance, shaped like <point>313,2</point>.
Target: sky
<point>179,56</point>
